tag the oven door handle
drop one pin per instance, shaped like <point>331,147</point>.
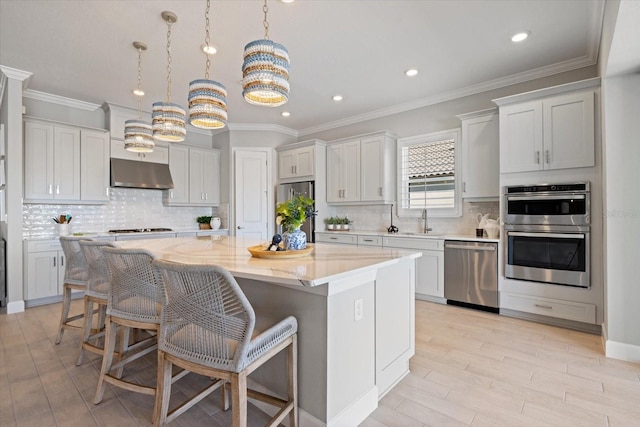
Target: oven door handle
<point>553,235</point>
<point>547,197</point>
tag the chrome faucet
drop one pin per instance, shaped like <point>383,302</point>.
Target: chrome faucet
<point>426,225</point>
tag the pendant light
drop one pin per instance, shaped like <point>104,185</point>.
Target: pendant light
<point>168,119</point>
<point>207,98</point>
<point>137,133</point>
<point>265,70</point>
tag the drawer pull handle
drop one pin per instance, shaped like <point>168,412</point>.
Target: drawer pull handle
<point>544,306</point>
<point>333,238</point>
<point>367,240</point>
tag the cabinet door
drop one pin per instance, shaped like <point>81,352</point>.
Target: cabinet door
<point>304,161</point>
<point>430,274</point>
<point>350,166</point>
<point>569,131</point>
<point>211,177</point>
<point>521,137</point>
<point>42,275</point>
<point>179,167</point>
<point>286,162</point>
<point>372,169</point>
<point>334,173</point>
<point>66,163</point>
<point>196,173</point>
<point>94,165</point>
<point>480,157</point>
<point>38,161</point>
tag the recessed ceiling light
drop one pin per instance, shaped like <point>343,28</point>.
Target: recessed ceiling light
<point>138,92</point>
<point>520,36</point>
<point>411,72</point>
<point>337,98</point>
<point>208,49</point>
<point>285,114</point>
<point>287,1</point>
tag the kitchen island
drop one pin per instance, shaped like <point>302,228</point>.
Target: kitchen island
<point>355,311</point>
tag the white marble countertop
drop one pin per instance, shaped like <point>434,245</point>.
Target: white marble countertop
<point>326,263</point>
<point>468,237</point>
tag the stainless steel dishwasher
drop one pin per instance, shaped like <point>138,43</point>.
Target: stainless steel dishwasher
<point>471,274</point>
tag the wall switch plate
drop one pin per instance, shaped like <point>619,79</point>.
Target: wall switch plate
<point>358,309</point>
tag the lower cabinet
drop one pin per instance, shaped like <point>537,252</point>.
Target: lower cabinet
<point>345,239</point>
<point>429,267</point>
<point>562,309</point>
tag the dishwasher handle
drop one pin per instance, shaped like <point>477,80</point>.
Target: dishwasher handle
<point>491,248</point>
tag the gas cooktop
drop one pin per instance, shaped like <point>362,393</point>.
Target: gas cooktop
<point>140,230</point>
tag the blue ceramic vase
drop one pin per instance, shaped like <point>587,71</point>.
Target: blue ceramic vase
<point>295,240</point>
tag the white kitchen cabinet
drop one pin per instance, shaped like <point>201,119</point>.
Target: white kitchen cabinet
<point>361,170</point>
<point>94,166</point>
<point>196,176</point>
<point>429,267</point>
<point>343,172</point>
<point>160,153</point>
<point>344,239</point>
<point>204,177</point>
<point>480,153</point>
<point>562,309</point>
<point>44,269</point>
<point>297,163</point>
<point>555,132</point>
<point>51,161</point>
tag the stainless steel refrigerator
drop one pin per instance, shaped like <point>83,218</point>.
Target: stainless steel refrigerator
<point>286,192</point>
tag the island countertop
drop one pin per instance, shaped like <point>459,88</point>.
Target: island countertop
<point>326,263</point>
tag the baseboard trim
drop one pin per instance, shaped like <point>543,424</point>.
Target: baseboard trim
<point>623,351</point>
<point>15,307</point>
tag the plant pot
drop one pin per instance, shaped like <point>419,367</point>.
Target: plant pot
<point>331,226</point>
<point>295,240</point>
<point>215,223</point>
<point>205,226</point>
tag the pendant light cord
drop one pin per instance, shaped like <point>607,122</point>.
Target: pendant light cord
<point>169,22</point>
<point>139,83</point>
<point>265,9</point>
<point>206,40</point>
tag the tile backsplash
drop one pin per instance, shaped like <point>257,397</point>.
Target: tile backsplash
<point>128,208</point>
<point>377,218</point>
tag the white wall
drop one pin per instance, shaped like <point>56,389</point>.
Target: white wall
<point>622,215</point>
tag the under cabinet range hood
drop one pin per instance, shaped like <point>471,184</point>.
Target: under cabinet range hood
<point>135,174</point>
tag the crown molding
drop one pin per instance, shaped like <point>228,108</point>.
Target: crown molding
<point>14,73</point>
<point>60,100</point>
<point>263,128</point>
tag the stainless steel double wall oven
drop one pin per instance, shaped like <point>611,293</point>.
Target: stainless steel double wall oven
<point>547,229</point>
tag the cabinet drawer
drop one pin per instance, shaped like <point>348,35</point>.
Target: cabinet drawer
<point>414,243</point>
<point>578,311</point>
<point>370,241</point>
<point>337,238</point>
<point>43,245</point>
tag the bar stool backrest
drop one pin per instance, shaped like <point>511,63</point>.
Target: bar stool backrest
<point>98,283</point>
<point>76,271</point>
<point>136,291</point>
<point>206,318</point>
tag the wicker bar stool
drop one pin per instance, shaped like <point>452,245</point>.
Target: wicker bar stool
<point>76,273</point>
<point>133,302</point>
<point>206,327</point>
<point>97,292</point>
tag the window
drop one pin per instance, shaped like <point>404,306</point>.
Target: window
<point>427,167</point>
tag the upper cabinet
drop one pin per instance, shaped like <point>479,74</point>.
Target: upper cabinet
<point>548,132</point>
<point>64,163</point>
<point>480,151</point>
<point>361,169</point>
<point>301,161</point>
<point>196,176</point>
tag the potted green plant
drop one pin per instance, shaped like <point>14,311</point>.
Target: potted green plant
<point>204,222</point>
<point>291,215</point>
<point>330,223</point>
<point>345,223</point>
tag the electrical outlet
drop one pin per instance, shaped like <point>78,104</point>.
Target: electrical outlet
<point>358,309</point>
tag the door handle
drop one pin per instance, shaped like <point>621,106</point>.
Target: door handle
<point>57,189</point>
<point>547,156</point>
<point>240,227</point>
<point>50,189</point>
<point>537,157</point>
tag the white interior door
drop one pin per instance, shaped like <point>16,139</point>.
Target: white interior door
<point>251,194</point>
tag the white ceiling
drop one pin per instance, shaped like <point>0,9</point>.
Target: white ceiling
<point>82,49</point>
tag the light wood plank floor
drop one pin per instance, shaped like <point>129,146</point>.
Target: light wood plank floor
<point>470,369</point>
